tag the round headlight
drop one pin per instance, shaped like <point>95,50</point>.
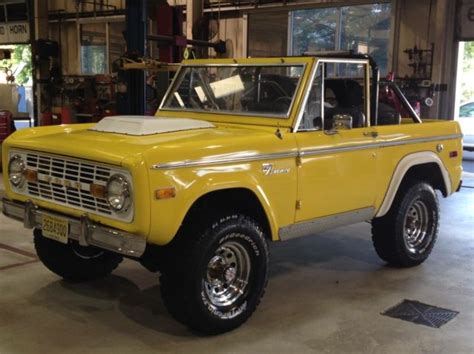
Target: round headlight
<point>16,171</point>
<point>118,193</point>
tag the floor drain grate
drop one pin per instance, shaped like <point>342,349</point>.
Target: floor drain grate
<point>419,313</point>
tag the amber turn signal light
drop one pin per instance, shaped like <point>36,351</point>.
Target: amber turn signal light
<point>31,176</point>
<point>98,191</point>
<point>165,193</point>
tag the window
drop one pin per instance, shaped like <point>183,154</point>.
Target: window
<point>363,28</point>
<point>312,114</point>
<point>343,100</point>
<point>101,45</point>
<point>93,49</point>
<point>13,11</point>
<point>314,30</point>
<point>246,89</point>
<point>17,12</point>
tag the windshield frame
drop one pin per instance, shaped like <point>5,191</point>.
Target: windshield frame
<point>304,64</point>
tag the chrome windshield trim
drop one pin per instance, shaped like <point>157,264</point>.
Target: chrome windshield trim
<point>302,107</point>
<point>233,158</point>
<point>170,87</point>
<point>228,113</point>
<point>240,114</point>
<point>236,158</point>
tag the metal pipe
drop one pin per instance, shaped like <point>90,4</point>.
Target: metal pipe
<point>416,118</point>
<point>218,46</point>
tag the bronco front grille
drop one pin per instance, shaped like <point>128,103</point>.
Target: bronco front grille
<point>68,181</point>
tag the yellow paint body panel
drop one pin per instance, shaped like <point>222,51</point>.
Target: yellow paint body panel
<point>335,182</point>
<point>389,157</point>
<point>325,183</point>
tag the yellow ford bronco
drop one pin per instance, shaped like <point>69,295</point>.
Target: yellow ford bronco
<point>241,152</point>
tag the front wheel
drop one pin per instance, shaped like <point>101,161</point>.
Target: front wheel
<point>406,236</point>
<point>218,276</point>
<point>74,262</point>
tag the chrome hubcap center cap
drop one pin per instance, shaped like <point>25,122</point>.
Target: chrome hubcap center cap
<point>416,227</point>
<point>227,274</point>
<point>230,274</point>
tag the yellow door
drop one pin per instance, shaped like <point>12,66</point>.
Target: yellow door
<point>336,173</point>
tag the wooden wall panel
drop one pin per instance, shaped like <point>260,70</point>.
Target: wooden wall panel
<point>268,34</point>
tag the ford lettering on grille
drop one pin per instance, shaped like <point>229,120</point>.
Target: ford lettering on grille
<point>68,181</point>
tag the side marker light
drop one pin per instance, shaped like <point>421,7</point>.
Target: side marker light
<point>165,193</point>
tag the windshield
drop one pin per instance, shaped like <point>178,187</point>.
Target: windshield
<point>240,90</point>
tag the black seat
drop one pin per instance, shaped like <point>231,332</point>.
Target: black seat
<point>387,115</point>
<point>350,97</point>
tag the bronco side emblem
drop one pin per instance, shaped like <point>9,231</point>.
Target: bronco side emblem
<point>267,169</point>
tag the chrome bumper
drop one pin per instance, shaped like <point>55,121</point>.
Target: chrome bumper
<point>83,230</point>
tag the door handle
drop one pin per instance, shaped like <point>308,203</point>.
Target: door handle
<point>373,134</point>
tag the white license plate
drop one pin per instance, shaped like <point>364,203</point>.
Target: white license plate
<point>55,228</point>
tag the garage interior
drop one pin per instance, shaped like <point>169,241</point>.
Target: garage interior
<point>75,61</point>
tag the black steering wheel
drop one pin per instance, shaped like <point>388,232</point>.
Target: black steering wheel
<point>282,104</point>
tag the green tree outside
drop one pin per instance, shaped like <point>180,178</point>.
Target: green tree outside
<point>467,88</point>
<point>20,59</point>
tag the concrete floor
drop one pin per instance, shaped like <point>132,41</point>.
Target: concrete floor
<point>325,294</point>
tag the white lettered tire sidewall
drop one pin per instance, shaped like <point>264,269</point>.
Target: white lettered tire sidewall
<point>182,281</point>
<point>234,229</point>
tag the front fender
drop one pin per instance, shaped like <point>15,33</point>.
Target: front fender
<point>274,193</point>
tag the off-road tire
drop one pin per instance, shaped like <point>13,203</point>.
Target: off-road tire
<point>185,278</point>
<point>391,234</point>
<point>73,262</point>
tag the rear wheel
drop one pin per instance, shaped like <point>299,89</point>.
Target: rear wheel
<point>406,235</point>
<point>217,277</point>
<point>74,262</point>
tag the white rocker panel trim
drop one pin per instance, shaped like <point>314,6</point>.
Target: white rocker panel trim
<point>404,165</point>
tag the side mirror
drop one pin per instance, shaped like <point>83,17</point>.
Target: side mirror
<point>342,121</point>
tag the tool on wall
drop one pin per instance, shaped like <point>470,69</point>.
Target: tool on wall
<point>421,61</point>
<point>419,87</point>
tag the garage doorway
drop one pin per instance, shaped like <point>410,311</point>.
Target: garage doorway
<point>464,107</point>
<point>465,88</point>
<point>16,84</point>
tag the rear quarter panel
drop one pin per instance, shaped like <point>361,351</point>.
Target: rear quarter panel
<point>435,132</point>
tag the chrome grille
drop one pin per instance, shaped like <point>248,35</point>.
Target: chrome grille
<point>55,172</point>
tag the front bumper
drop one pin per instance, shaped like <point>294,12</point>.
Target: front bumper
<point>83,230</point>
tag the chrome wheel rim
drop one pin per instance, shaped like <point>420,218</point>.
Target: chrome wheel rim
<point>227,275</point>
<point>416,227</point>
